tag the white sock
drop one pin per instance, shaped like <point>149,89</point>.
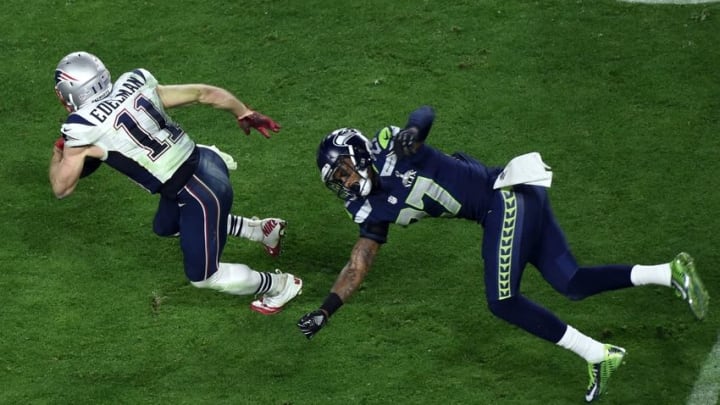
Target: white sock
<point>584,346</point>
<point>234,224</point>
<point>248,228</point>
<point>659,274</point>
<point>237,279</point>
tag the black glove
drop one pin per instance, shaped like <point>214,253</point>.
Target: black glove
<point>312,322</point>
<point>405,142</point>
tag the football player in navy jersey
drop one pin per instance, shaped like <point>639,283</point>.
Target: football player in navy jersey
<point>397,178</point>
<point>125,125</point>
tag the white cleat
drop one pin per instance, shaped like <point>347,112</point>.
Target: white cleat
<point>272,304</point>
<point>273,230</point>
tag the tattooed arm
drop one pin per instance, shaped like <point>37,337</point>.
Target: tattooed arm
<point>354,272</point>
<point>347,282</point>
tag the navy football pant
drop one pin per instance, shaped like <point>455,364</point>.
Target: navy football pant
<point>520,229</point>
<point>199,214</point>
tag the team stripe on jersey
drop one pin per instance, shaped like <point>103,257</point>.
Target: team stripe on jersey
<point>389,166</point>
<point>506,243</point>
<point>140,73</point>
<point>363,212</point>
<point>77,119</point>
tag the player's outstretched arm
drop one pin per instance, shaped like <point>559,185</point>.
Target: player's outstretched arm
<point>361,259</point>
<point>421,119</point>
<point>184,94</point>
<point>347,282</point>
<point>409,139</point>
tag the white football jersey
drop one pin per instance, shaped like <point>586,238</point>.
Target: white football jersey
<point>132,127</point>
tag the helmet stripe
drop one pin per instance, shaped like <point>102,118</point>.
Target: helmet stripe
<point>60,76</point>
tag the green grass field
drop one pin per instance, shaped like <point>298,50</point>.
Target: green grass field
<point>623,100</point>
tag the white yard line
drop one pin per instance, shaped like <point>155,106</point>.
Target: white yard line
<point>707,385</point>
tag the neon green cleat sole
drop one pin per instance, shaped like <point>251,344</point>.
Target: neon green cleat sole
<point>600,372</point>
<point>688,285</point>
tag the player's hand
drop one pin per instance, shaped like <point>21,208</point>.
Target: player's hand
<point>60,143</point>
<point>312,322</point>
<point>259,122</point>
<point>406,142</point>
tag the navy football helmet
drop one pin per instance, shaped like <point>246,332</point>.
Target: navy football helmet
<point>344,155</point>
<point>81,77</point>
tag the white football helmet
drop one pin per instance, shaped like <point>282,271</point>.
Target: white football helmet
<point>81,77</point>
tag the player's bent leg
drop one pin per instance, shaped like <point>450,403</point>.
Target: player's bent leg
<point>167,218</point>
<point>589,281</point>
<point>237,279</point>
<point>529,316</point>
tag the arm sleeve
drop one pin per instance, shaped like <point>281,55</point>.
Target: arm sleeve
<point>422,119</point>
<point>377,231</point>
<point>91,164</point>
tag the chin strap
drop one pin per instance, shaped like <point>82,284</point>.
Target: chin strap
<point>365,183</point>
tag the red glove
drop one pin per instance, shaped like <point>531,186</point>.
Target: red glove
<point>259,122</point>
<point>60,143</point>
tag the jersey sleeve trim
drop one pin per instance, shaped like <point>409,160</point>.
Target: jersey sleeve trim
<point>377,231</point>
<point>141,73</point>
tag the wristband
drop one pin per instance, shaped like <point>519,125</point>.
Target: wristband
<point>331,304</point>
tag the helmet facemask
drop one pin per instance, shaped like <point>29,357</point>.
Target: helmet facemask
<point>344,160</point>
<point>346,180</point>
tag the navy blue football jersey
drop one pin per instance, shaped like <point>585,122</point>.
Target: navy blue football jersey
<point>429,183</point>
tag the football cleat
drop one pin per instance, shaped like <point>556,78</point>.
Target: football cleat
<point>273,230</point>
<point>272,304</point>
<point>688,285</point>
<point>600,372</point>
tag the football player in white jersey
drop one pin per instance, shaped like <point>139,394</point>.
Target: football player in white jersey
<point>124,124</point>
